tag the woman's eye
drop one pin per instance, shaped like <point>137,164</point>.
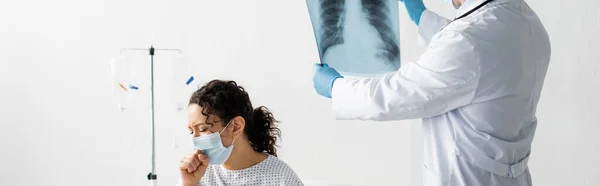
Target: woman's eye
<point>203,128</point>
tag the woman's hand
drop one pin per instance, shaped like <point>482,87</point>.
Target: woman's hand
<point>192,168</point>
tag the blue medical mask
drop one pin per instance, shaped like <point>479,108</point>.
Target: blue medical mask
<point>212,146</point>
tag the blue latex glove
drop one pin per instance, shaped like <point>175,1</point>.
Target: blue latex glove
<point>414,8</point>
<point>324,78</point>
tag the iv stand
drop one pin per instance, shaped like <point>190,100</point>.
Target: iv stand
<point>152,175</point>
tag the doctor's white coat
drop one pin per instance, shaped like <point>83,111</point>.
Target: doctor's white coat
<point>476,87</point>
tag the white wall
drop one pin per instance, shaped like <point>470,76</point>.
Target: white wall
<point>566,150</point>
<point>59,125</point>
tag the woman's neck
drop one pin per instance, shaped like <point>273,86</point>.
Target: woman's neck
<point>244,157</point>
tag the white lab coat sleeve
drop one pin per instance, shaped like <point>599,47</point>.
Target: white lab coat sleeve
<point>430,24</point>
<point>444,78</point>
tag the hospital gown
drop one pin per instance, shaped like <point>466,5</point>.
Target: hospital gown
<point>271,171</point>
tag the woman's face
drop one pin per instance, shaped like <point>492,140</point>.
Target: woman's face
<point>199,125</point>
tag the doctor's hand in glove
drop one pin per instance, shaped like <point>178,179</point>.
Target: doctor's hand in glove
<point>324,78</point>
<point>192,168</point>
<point>414,8</point>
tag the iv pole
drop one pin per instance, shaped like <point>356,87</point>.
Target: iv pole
<point>152,175</point>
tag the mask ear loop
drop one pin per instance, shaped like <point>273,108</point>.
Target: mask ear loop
<point>233,140</point>
<point>226,126</point>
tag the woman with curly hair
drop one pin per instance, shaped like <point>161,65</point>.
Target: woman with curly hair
<point>234,142</point>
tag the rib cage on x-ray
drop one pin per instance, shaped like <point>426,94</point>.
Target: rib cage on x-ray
<point>358,37</point>
<point>378,16</point>
<point>332,23</point>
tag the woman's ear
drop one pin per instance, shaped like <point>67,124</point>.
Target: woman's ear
<point>238,125</point>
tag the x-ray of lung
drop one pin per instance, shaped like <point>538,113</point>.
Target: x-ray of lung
<point>357,37</point>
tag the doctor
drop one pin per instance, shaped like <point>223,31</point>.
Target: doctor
<point>476,87</point>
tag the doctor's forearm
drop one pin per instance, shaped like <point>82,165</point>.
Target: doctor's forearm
<point>364,99</point>
<point>406,94</point>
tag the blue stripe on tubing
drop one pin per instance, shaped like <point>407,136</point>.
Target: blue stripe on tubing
<point>189,80</point>
<point>133,87</point>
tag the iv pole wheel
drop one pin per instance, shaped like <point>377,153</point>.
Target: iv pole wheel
<point>152,179</point>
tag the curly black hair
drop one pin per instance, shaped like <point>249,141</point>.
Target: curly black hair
<point>226,100</point>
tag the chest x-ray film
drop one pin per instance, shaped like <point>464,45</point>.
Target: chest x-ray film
<point>357,37</point>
